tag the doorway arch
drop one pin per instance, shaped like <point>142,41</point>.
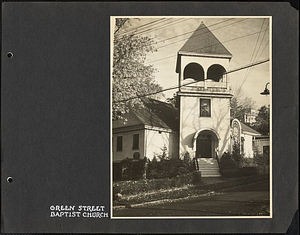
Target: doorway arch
<point>205,143</point>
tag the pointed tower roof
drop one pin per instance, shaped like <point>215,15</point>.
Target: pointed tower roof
<point>204,42</point>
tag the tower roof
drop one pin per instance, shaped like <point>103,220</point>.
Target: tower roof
<point>204,42</point>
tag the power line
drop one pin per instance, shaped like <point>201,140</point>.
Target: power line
<point>166,24</point>
<point>177,22</point>
<point>163,40</point>
<point>194,36</point>
<point>157,26</point>
<point>161,26</point>
<point>172,88</point>
<point>263,50</point>
<point>141,26</point>
<point>233,39</point>
<point>253,53</point>
<point>254,59</point>
<point>172,23</point>
<point>198,34</point>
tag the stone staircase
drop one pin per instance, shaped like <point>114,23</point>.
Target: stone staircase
<point>209,167</point>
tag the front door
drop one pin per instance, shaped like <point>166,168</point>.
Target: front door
<point>203,148</point>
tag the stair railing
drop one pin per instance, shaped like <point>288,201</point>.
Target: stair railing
<point>218,160</point>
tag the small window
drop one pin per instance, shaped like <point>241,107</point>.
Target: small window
<point>266,150</point>
<point>135,143</point>
<point>205,109</point>
<point>119,143</point>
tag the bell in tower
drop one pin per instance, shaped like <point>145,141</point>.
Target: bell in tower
<point>204,96</point>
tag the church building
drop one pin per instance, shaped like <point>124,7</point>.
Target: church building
<point>200,125</point>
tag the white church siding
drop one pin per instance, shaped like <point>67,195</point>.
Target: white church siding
<point>157,140</point>
<point>191,122</point>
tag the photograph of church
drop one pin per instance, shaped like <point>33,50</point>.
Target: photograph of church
<point>205,117</point>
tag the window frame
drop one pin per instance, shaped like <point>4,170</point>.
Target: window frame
<point>119,144</point>
<point>135,147</point>
<point>209,106</point>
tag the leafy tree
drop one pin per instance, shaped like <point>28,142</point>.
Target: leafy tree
<point>262,123</point>
<point>131,76</point>
<point>174,101</point>
<point>240,105</point>
<point>236,153</point>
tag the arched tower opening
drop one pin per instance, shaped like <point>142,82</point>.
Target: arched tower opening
<point>216,72</point>
<point>195,71</point>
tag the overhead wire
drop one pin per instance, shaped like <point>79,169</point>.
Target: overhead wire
<point>172,88</point>
<point>141,26</point>
<point>251,65</point>
<point>167,24</point>
<point>230,40</point>
<point>182,20</point>
<point>255,57</point>
<point>253,53</point>
<point>197,34</point>
<point>172,23</point>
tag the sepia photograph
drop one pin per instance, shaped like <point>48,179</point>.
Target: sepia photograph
<point>191,117</point>
<point>149,117</point>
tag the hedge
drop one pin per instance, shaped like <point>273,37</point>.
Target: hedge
<point>229,167</point>
<point>140,186</point>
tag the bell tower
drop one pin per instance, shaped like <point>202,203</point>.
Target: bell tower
<point>203,95</point>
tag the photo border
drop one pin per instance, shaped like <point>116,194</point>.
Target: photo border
<point>112,18</point>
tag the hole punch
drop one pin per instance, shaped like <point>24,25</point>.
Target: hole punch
<point>9,55</point>
<point>9,179</point>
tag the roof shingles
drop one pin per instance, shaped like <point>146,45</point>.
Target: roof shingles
<point>204,42</point>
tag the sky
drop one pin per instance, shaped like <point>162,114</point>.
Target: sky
<point>232,33</point>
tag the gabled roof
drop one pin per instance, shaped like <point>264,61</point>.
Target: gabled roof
<point>204,42</point>
<point>155,113</point>
<point>129,119</point>
<point>246,128</point>
<point>164,111</point>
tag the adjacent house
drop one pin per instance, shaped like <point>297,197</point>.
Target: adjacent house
<point>244,136</point>
<point>146,132</point>
<point>250,116</point>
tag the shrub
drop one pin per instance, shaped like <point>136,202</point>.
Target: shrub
<point>262,162</point>
<point>129,169</point>
<point>116,191</point>
<point>228,167</point>
<point>138,168</point>
<point>167,168</point>
<point>236,155</point>
<point>187,158</point>
<point>246,171</point>
<point>227,162</point>
<point>247,162</point>
<point>196,177</point>
<point>235,165</point>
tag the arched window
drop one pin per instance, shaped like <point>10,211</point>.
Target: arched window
<point>195,71</point>
<point>215,72</point>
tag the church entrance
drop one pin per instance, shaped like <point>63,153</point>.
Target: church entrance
<point>205,144</point>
